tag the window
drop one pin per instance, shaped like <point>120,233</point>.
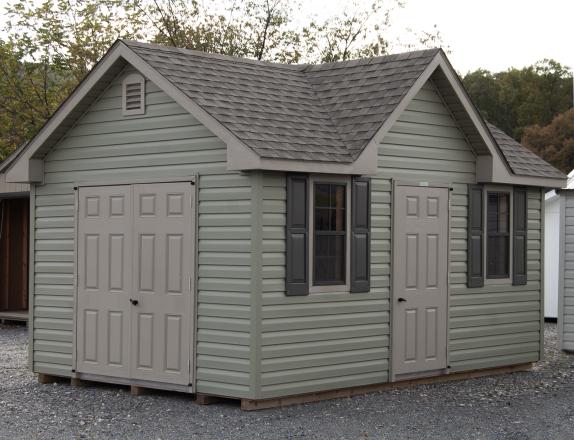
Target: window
<point>498,235</point>
<point>329,234</point>
<point>133,100</point>
<point>328,244</point>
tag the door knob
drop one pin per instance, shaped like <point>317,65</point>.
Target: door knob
<point>402,300</point>
<point>134,302</point>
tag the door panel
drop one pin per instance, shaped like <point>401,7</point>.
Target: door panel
<point>135,262</point>
<point>162,329</point>
<point>420,287</point>
<point>104,280</point>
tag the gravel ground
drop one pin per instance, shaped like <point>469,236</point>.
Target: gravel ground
<point>538,404</point>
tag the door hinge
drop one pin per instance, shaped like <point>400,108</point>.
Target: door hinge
<point>189,284</point>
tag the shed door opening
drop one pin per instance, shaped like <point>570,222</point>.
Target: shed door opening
<point>14,227</point>
<point>135,263</point>
<point>420,291</point>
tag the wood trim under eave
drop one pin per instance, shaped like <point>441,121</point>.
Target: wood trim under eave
<point>243,158</point>
<point>488,171</point>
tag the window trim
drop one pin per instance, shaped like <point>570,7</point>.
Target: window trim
<point>341,180</point>
<point>498,189</point>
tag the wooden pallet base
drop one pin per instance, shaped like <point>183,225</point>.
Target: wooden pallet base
<point>252,405</point>
<point>206,399</point>
<point>48,378</point>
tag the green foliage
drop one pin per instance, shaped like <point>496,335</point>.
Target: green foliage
<point>554,142</point>
<point>52,44</point>
<point>50,47</point>
<point>518,98</point>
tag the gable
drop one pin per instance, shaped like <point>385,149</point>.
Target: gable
<point>426,143</point>
<point>104,141</point>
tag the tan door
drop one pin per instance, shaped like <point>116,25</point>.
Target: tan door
<point>104,280</point>
<point>420,265</point>
<point>135,262</point>
<point>162,282</point>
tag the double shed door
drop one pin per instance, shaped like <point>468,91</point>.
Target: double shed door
<point>420,280</point>
<point>135,262</point>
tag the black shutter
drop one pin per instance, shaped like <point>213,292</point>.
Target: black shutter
<point>297,229</point>
<point>360,235</point>
<point>475,270</point>
<point>519,236</point>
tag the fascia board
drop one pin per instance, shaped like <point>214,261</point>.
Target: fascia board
<point>364,168</point>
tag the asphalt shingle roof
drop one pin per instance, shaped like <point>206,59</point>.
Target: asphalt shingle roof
<point>521,160</point>
<point>325,113</point>
<point>320,113</point>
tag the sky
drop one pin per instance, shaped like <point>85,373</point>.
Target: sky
<point>490,34</point>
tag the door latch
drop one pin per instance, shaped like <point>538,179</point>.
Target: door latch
<point>402,300</point>
<point>134,302</point>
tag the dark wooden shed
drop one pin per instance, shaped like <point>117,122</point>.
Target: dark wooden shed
<point>14,243</point>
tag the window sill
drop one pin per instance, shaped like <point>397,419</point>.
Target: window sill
<point>336,288</point>
<point>497,281</point>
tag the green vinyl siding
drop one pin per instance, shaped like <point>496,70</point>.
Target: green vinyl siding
<point>165,142</point>
<point>495,325</point>
<point>334,340</point>
<point>324,340</point>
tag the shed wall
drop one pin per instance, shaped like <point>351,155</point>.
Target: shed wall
<point>324,340</point>
<point>166,142</point>
<point>7,188</point>
<point>334,340</point>
<point>566,309</point>
<point>494,325</point>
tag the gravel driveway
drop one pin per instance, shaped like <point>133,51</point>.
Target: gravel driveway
<point>532,405</point>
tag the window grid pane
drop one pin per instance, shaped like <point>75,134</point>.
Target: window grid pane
<point>498,235</point>
<point>329,259</point>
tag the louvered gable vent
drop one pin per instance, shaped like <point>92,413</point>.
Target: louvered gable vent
<point>134,95</point>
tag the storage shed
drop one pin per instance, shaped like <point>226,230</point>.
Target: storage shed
<point>14,239</point>
<point>257,231</point>
<point>565,269</point>
<point>553,219</point>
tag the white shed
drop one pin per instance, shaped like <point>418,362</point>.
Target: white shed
<point>552,221</point>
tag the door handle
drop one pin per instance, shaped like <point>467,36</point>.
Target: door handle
<point>134,302</point>
<point>402,300</point>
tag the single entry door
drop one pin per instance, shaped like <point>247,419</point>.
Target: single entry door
<point>420,265</point>
<point>135,262</point>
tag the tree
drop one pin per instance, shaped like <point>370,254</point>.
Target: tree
<point>51,46</point>
<point>517,98</point>
<point>554,142</point>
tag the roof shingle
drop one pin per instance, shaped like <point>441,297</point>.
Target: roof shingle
<point>520,159</point>
<point>327,112</point>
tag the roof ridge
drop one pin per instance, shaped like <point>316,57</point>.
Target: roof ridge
<point>303,67</point>
<point>211,55</point>
<point>400,56</point>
